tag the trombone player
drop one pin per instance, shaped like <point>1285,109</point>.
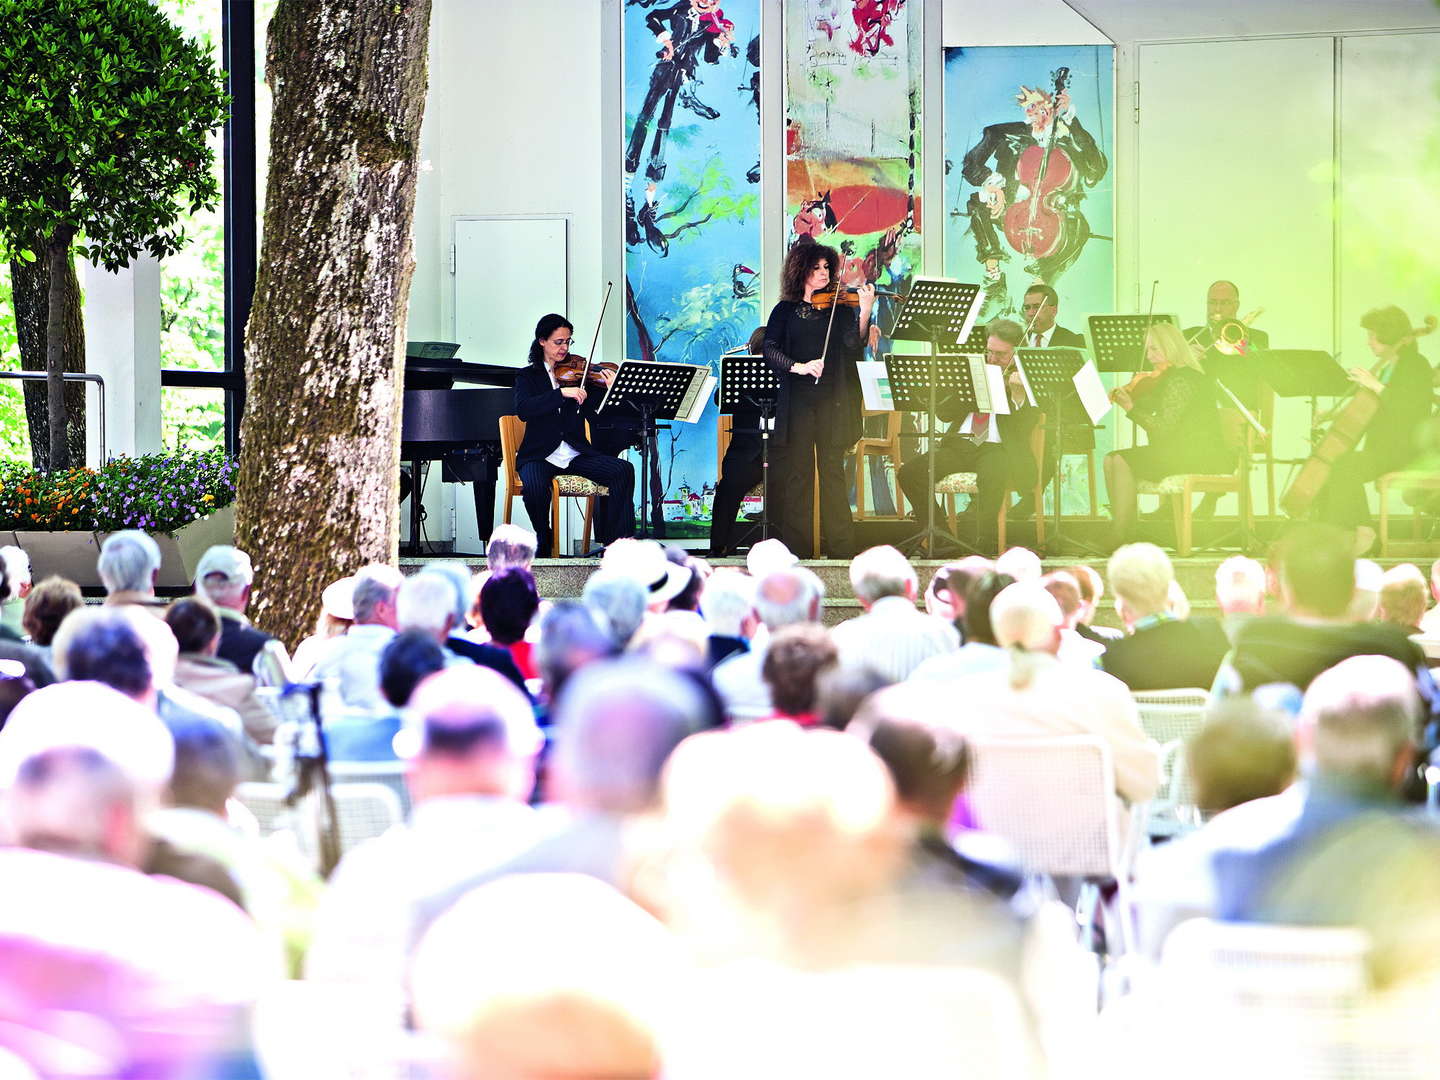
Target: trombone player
<point>1226,347</point>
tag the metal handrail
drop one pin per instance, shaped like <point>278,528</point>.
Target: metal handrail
<point>71,376</point>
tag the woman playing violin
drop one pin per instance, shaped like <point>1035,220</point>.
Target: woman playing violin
<point>1402,379</point>
<point>812,339</point>
<point>1176,405</point>
<point>554,401</point>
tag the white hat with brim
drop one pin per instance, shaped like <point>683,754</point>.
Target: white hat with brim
<point>644,561</point>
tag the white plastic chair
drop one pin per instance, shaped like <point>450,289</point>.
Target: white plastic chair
<point>1170,717</point>
<point>389,773</point>
<point>1054,801</point>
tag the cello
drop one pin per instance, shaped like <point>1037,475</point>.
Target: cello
<point>1348,424</point>
<point>1036,226</point>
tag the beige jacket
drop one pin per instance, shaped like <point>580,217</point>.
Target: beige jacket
<point>223,683</point>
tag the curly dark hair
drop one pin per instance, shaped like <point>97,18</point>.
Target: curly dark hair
<point>798,262</point>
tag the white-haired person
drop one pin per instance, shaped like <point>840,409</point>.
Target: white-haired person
<point>1240,588</point>
<point>1159,651</point>
<point>510,545</point>
<point>353,658</point>
<point>727,604</point>
<point>1178,407</point>
<point>434,602</point>
<point>224,576</point>
<point>15,565</point>
<point>782,598</point>
<point>471,743</point>
<point>1430,621</point>
<point>1020,563</point>
<point>1403,596</point>
<point>128,565</point>
<point>1034,694</point>
<point>892,636</point>
<point>164,969</point>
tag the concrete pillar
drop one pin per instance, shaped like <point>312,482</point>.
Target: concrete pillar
<point>122,346</point>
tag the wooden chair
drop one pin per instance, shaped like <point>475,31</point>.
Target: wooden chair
<point>887,446</point>
<point>512,433</point>
<point>1402,482</point>
<point>1182,487</point>
<point>967,483</point>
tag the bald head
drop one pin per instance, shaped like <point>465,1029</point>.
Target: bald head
<point>789,596</point>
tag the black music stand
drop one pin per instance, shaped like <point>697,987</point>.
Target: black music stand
<point>1118,341</point>
<point>942,312</point>
<point>652,390</point>
<point>1050,376</point>
<point>747,381</point>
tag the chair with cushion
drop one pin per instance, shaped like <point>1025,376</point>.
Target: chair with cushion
<point>967,483</point>
<point>1182,487</point>
<point>512,433</point>
<point>1053,800</point>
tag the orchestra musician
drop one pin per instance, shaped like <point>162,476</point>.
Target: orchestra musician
<point>1175,402</point>
<point>740,471</point>
<point>554,396</point>
<point>1040,307</point>
<point>813,338</point>
<point>996,447</point>
<point>1401,377</point>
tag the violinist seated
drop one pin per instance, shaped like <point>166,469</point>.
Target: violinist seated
<point>1175,402</point>
<point>554,403</point>
<point>1402,380</point>
<point>996,447</point>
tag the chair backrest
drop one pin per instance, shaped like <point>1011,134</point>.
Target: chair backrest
<point>512,434</point>
<point>1166,715</point>
<point>267,802</point>
<point>1258,964</point>
<point>1052,799</point>
<point>389,773</point>
<point>364,811</point>
<point>722,435</point>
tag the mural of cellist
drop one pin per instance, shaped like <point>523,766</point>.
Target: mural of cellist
<point>1019,185</point>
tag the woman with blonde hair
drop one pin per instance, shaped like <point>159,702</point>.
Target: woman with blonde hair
<point>1175,402</point>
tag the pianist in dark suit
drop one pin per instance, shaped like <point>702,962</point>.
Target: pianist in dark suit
<point>555,442</point>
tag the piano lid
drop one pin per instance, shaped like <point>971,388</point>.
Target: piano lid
<point>442,374</point>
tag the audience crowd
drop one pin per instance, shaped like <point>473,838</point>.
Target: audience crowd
<point>694,823</point>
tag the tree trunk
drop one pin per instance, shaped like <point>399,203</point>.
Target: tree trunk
<point>30,286</point>
<point>320,440</point>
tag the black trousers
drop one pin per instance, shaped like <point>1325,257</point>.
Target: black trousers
<point>1342,501</point>
<point>815,437</point>
<point>614,517</point>
<point>996,473</point>
<point>739,472</point>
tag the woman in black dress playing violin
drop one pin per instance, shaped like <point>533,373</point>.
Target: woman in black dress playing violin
<point>1176,405</point>
<point>812,342</point>
<point>555,397</point>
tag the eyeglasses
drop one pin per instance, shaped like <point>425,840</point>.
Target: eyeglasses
<point>997,354</point>
<point>562,341</point>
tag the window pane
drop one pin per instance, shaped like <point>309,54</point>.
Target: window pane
<point>192,282</point>
<point>192,418</point>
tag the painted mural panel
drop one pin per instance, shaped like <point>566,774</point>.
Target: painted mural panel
<point>692,239</point>
<point>852,135</point>
<point>1029,188</point>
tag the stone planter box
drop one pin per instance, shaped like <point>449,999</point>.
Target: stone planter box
<point>73,554</point>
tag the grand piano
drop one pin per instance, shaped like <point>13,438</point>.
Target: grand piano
<point>459,426</point>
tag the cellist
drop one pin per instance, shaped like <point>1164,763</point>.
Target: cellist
<point>1401,377</point>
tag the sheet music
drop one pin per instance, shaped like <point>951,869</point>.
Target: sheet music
<point>1092,392</point>
<point>874,385</point>
<point>702,385</point>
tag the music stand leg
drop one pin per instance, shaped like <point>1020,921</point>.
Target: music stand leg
<point>931,534</point>
<point>1054,546</point>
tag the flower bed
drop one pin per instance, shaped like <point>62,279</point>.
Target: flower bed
<point>160,493</point>
<point>184,499</point>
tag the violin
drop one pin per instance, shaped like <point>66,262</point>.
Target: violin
<point>1037,225</point>
<point>576,370</point>
<point>845,296</point>
<point>1141,384</point>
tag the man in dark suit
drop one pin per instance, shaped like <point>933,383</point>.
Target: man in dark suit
<point>1159,651</point>
<point>996,447</point>
<point>1040,309</point>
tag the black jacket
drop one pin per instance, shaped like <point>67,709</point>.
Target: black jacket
<point>240,643</point>
<point>550,417</point>
<point>1168,655</point>
<point>493,657</point>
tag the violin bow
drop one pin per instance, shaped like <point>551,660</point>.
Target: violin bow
<point>590,356</point>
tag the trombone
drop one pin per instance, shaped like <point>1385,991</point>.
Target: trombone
<point>1232,338</point>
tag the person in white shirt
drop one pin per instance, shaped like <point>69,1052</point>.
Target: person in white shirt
<point>783,598</point>
<point>474,742</point>
<point>353,659</point>
<point>1034,694</point>
<point>1430,621</point>
<point>893,637</point>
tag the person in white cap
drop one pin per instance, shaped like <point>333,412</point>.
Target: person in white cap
<point>337,615</point>
<point>224,576</point>
<point>768,556</point>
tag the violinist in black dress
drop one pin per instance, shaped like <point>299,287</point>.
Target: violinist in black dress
<point>1181,417</point>
<point>812,342</point>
